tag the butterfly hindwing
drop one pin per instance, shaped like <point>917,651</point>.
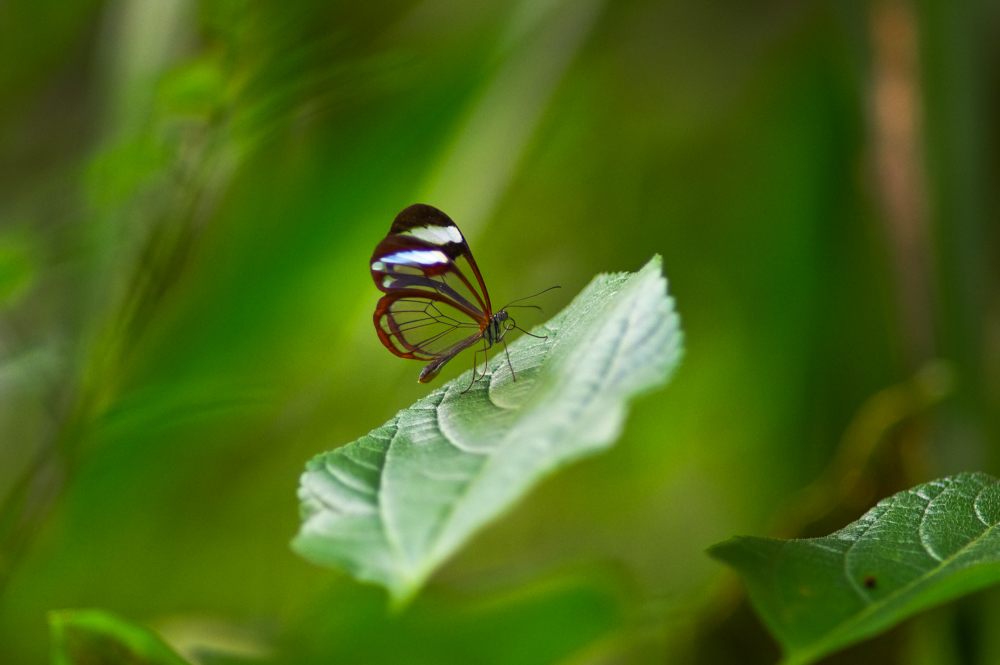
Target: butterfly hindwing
<point>413,325</point>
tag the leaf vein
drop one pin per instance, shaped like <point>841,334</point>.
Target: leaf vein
<point>921,536</point>
<point>349,481</point>
<point>875,606</point>
<point>975,504</point>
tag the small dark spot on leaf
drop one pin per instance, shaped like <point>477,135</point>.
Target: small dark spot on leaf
<point>870,582</point>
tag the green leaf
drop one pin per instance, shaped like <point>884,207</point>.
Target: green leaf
<point>86,637</point>
<point>393,505</point>
<point>914,550</point>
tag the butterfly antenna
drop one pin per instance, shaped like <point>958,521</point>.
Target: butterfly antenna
<point>531,306</point>
<point>526,297</point>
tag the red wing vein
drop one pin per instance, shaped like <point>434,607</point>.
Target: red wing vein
<point>435,314</point>
<point>423,328</point>
<point>420,346</point>
<point>406,327</point>
<point>440,319</point>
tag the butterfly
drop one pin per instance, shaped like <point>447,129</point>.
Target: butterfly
<point>431,310</point>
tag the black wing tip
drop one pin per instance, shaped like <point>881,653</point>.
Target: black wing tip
<point>419,214</point>
<point>420,207</point>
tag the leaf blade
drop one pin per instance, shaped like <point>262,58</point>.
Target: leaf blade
<point>914,550</point>
<point>452,462</point>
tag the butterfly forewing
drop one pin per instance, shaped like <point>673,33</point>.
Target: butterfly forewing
<point>424,236</point>
<point>403,262</point>
<point>432,308</point>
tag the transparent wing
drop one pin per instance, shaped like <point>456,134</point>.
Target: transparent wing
<point>413,325</point>
<point>432,309</point>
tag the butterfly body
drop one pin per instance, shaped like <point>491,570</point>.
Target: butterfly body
<point>431,309</point>
<point>495,330</point>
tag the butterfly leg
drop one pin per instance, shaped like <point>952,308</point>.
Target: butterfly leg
<point>469,387</point>
<point>530,335</point>
<point>508,360</point>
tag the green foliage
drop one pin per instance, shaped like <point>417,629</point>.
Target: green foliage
<point>391,506</point>
<point>95,637</point>
<point>189,192</point>
<point>914,550</point>
<point>549,621</point>
<point>17,268</point>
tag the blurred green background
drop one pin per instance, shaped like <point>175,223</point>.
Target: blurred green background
<point>189,196</point>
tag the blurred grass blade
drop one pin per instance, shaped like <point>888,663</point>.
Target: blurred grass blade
<point>393,505</point>
<point>490,145</point>
<point>916,549</point>
<point>82,637</point>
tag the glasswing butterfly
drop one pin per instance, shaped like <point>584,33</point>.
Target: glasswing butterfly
<point>431,311</point>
